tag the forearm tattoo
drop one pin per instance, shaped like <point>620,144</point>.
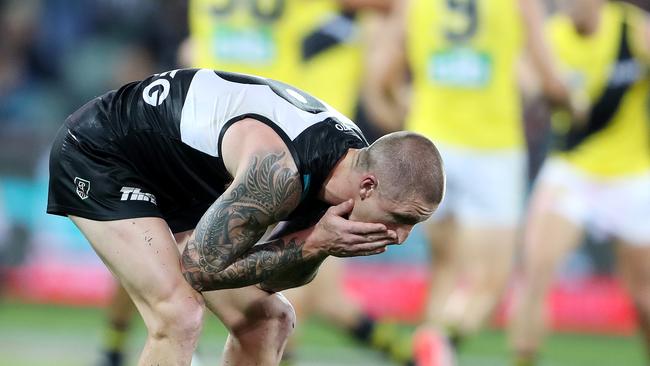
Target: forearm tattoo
<point>260,263</point>
<point>266,193</point>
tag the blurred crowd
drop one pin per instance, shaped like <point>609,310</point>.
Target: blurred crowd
<point>54,56</point>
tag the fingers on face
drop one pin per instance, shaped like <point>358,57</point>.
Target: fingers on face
<point>369,247</point>
<point>365,228</point>
<point>365,249</point>
<point>370,238</point>
<point>342,208</point>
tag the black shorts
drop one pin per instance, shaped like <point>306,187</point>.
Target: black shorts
<point>91,178</point>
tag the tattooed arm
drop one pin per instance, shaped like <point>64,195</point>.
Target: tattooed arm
<point>283,254</point>
<point>266,188</point>
<point>265,192</point>
<point>291,259</point>
<point>286,256</point>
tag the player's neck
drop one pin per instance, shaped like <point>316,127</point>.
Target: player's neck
<point>588,22</point>
<point>339,184</point>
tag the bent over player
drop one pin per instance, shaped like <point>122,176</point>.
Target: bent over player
<point>201,162</point>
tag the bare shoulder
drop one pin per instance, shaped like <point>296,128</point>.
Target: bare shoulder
<point>250,139</point>
<point>263,169</point>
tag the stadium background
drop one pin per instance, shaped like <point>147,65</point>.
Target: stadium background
<point>55,55</point>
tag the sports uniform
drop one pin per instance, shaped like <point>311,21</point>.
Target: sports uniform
<point>153,147</point>
<point>310,44</point>
<point>465,98</point>
<point>603,167</point>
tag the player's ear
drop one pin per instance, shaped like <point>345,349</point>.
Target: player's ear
<point>367,186</point>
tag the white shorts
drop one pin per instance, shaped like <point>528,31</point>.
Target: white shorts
<point>619,206</point>
<point>484,187</point>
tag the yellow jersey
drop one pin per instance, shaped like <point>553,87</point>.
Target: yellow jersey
<point>607,66</point>
<point>308,44</point>
<point>463,56</point>
<point>334,74</point>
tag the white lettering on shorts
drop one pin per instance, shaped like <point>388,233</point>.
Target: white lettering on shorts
<point>134,194</point>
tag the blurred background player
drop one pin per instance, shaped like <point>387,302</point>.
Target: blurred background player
<point>317,46</point>
<point>598,176</point>
<point>462,58</point>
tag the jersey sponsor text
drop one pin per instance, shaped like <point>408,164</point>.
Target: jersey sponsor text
<point>135,194</point>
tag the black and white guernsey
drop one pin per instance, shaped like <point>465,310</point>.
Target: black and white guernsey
<point>153,147</point>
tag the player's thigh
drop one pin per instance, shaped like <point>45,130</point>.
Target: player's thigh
<point>634,266</point>
<point>631,196</point>
<point>441,232</point>
<point>309,298</point>
<point>623,209</point>
<point>141,253</point>
<point>554,223</point>
<point>487,253</point>
<point>324,293</point>
<point>240,308</point>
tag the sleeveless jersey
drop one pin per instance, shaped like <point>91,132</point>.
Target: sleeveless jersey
<point>463,56</point>
<point>169,128</point>
<point>616,138</point>
<point>309,44</point>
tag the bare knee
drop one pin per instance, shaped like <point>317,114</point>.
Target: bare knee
<point>273,316</point>
<point>283,315</point>
<point>178,315</point>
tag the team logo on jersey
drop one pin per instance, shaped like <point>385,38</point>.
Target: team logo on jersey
<point>135,194</point>
<point>82,187</point>
<point>156,92</point>
<point>342,127</point>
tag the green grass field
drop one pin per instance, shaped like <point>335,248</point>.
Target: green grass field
<point>35,335</point>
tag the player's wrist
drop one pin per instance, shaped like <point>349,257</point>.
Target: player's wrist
<point>313,249</point>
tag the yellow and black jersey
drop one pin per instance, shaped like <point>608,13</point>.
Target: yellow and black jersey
<point>608,67</point>
<point>311,44</point>
<point>463,56</point>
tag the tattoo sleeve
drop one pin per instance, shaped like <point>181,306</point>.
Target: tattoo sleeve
<point>265,193</point>
<point>276,265</point>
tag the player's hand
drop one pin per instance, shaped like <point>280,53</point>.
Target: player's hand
<point>574,100</point>
<point>557,91</point>
<point>579,108</point>
<point>335,235</point>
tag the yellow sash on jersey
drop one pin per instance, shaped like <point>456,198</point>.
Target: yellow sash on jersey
<point>616,140</point>
<point>463,56</point>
